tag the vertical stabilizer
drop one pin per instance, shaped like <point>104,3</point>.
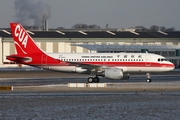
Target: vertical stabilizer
<point>23,42</point>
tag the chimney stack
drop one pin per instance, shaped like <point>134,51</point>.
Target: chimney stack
<point>45,24</point>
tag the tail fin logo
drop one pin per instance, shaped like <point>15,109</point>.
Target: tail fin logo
<point>21,35</point>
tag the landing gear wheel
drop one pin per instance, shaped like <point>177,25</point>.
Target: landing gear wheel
<point>96,79</point>
<point>90,80</point>
<point>148,80</point>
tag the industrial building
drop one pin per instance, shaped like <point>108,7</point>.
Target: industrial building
<point>98,40</point>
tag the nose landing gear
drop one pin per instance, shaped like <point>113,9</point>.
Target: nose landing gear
<point>148,78</point>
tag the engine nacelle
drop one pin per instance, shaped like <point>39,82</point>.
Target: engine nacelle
<point>114,73</point>
<point>81,70</point>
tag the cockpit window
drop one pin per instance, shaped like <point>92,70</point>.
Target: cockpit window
<point>162,59</point>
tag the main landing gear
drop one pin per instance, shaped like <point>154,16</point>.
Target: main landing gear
<point>96,79</point>
<point>93,79</point>
<point>148,78</point>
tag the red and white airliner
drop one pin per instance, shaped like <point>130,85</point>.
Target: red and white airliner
<point>109,65</point>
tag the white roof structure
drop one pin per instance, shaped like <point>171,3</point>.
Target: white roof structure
<point>128,46</point>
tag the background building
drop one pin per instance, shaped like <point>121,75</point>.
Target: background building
<point>98,40</point>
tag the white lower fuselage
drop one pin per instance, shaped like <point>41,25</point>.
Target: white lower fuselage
<point>128,62</point>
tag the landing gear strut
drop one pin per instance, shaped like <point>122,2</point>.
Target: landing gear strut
<point>148,78</point>
<point>93,79</point>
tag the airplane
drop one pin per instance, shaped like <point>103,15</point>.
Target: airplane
<point>115,66</point>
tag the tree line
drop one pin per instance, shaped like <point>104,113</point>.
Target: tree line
<point>153,28</point>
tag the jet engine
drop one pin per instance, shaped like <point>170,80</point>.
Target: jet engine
<point>114,73</point>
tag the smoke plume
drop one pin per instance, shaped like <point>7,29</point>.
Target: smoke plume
<point>28,10</point>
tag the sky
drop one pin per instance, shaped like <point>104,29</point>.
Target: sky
<point>115,13</point>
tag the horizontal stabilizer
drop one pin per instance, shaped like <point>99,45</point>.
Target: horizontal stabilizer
<point>19,58</point>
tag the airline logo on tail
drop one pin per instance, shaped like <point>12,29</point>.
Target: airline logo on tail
<point>22,37</point>
<point>23,42</point>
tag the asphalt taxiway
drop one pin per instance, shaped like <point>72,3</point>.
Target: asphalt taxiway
<point>35,81</point>
<point>55,81</point>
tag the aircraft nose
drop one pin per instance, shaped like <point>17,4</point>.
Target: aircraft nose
<point>172,66</point>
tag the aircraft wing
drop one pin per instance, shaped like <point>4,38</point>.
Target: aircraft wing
<point>85,65</point>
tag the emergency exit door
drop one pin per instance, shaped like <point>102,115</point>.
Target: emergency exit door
<point>44,59</point>
<point>148,60</point>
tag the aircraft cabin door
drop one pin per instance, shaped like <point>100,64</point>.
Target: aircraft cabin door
<point>148,60</point>
<point>44,59</point>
